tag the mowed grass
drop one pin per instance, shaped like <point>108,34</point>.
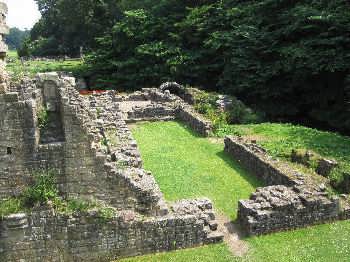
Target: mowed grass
<point>188,166</point>
<point>211,253</point>
<point>174,144</point>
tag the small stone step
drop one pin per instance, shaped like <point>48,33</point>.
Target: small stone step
<point>215,237</point>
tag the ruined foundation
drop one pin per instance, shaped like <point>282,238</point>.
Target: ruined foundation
<point>87,142</point>
<point>290,201</point>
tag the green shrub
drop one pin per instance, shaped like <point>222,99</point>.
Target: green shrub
<point>340,181</point>
<point>43,118</point>
<point>241,114</point>
<point>238,113</point>
<point>106,213</point>
<point>10,206</point>
<point>77,205</point>
<point>44,189</point>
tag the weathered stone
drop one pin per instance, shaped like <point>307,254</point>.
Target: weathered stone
<point>96,158</point>
<point>153,104</point>
<point>325,167</point>
<point>292,200</point>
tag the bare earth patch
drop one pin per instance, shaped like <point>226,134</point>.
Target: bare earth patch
<point>232,236</point>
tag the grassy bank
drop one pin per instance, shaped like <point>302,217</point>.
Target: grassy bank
<point>281,139</point>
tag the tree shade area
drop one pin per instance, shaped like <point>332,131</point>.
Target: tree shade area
<point>287,59</point>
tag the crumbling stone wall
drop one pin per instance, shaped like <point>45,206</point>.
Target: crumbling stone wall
<point>257,162</point>
<point>152,104</point>
<point>292,200</point>
<point>276,208</point>
<point>46,236</point>
<point>17,143</point>
<point>198,123</point>
<point>96,158</point>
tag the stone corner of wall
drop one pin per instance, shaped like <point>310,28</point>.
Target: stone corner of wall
<point>290,200</point>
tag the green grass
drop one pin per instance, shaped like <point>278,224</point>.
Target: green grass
<point>173,153</point>
<point>188,166</point>
<point>17,69</point>
<point>212,253</point>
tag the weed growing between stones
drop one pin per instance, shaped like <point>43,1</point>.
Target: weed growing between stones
<point>122,164</point>
<point>10,206</point>
<point>43,118</point>
<point>232,112</point>
<point>43,192</point>
<point>112,137</point>
<point>104,142</point>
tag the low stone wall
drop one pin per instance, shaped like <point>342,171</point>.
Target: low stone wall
<point>194,120</point>
<point>292,200</point>
<point>152,104</point>
<point>46,236</point>
<point>276,208</point>
<point>151,112</point>
<point>257,162</point>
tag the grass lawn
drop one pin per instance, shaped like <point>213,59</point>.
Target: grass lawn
<point>188,166</point>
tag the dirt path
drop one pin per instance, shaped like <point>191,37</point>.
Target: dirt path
<point>232,236</point>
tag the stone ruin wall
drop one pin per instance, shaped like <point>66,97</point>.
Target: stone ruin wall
<point>46,236</point>
<point>153,104</point>
<point>86,168</point>
<point>290,201</point>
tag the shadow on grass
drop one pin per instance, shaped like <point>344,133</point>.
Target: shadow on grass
<point>188,129</point>
<point>250,178</point>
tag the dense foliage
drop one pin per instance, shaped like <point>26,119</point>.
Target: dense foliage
<point>69,26</point>
<point>16,37</point>
<point>290,59</point>
<point>293,64</point>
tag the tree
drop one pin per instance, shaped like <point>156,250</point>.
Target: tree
<point>15,38</point>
